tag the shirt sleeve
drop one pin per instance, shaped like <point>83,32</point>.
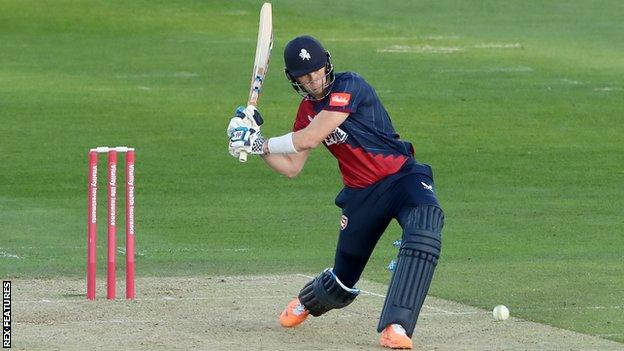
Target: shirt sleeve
<point>298,125</point>
<point>302,120</point>
<point>347,94</point>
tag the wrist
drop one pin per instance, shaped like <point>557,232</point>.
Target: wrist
<point>281,145</point>
<point>265,147</point>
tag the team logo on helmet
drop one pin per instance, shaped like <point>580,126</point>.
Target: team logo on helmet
<point>305,55</point>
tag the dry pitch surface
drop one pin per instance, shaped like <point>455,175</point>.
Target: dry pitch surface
<point>240,313</point>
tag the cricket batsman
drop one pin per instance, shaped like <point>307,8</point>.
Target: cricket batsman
<point>382,181</point>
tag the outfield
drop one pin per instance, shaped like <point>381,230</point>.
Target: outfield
<point>517,105</point>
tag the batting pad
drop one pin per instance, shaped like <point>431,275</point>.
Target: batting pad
<point>418,257</point>
<point>326,292</point>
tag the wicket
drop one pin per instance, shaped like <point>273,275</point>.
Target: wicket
<point>112,221</point>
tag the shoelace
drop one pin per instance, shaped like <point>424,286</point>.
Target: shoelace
<point>299,309</point>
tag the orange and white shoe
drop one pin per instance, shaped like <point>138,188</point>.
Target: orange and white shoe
<point>293,315</point>
<point>395,337</point>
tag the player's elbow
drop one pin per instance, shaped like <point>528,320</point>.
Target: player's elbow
<point>296,166</point>
<point>293,172</point>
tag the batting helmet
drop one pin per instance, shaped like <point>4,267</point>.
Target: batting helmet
<point>304,55</point>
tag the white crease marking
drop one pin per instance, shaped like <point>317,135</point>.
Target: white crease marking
<point>9,255</point>
<point>609,89</point>
<point>430,37</point>
<point>121,249</point>
<point>421,49</point>
<point>487,70</point>
<point>384,296</point>
<point>571,81</point>
<point>498,46</point>
<point>158,75</point>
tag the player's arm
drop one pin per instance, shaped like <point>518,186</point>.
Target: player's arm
<point>287,154</point>
<point>321,126</point>
<point>289,165</point>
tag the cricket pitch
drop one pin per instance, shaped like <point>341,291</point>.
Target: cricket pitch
<point>241,313</point>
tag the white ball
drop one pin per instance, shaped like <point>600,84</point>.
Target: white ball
<point>500,313</point>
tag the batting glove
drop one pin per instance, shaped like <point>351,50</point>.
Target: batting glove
<point>245,117</point>
<point>244,132</point>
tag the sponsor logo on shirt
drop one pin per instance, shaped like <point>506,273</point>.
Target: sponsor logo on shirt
<point>344,221</point>
<point>338,136</point>
<point>427,186</point>
<point>339,99</point>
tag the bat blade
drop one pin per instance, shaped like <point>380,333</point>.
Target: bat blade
<point>264,45</point>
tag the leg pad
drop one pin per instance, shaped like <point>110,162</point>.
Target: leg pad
<point>418,257</point>
<point>326,292</point>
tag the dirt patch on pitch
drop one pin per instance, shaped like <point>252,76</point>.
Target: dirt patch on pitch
<point>240,313</point>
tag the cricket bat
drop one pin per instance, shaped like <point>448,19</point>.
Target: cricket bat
<point>261,61</point>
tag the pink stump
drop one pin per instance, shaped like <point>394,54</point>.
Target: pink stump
<point>92,225</point>
<point>112,226</point>
<point>130,293</point>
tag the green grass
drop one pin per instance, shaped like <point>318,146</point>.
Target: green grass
<point>526,141</point>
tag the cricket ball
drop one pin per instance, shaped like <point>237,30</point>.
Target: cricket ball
<point>500,313</point>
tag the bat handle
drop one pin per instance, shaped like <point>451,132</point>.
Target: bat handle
<point>242,157</point>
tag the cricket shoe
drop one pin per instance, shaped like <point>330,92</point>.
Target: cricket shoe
<point>395,337</point>
<point>294,314</point>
